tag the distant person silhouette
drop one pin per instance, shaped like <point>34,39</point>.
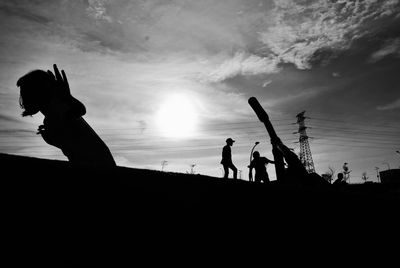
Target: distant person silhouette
<point>340,179</point>
<point>227,159</point>
<point>259,164</point>
<point>63,125</point>
<point>346,172</point>
<point>296,172</point>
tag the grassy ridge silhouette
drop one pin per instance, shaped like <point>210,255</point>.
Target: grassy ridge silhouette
<point>59,212</point>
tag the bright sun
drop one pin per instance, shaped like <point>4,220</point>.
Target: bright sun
<point>176,117</point>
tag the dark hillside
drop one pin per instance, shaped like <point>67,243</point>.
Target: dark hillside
<point>81,214</point>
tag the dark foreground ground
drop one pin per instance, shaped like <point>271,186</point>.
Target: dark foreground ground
<point>58,215</point>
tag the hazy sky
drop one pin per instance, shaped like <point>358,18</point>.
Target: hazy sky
<point>132,62</point>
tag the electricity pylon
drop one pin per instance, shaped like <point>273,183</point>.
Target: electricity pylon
<point>305,151</point>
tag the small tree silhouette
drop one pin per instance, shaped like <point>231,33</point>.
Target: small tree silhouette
<point>329,175</point>
<point>164,163</point>
<point>192,168</point>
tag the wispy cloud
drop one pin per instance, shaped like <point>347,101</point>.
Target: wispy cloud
<point>266,83</point>
<point>245,64</point>
<point>97,10</point>
<point>301,96</point>
<point>390,106</point>
<point>8,118</point>
<point>390,47</point>
<point>305,32</point>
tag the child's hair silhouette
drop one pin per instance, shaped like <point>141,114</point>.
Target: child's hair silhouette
<point>35,91</point>
<point>63,125</point>
<point>39,88</point>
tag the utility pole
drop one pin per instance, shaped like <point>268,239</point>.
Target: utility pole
<point>377,174</point>
<point>251,156</point>
<point>305,151</point>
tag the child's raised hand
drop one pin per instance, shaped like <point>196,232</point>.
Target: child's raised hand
<point>61,81</point>
<point>74,108</point>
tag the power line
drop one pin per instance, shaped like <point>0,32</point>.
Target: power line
<point>355,146</point>
<point>227,127</point>
<point>356,128</point>
<point>356,123</point>
<point>366,132</point>
<point>360,141</point>
<point>363,135</point>
<point>132,140</point>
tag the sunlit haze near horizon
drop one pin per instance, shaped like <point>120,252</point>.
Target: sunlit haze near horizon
<point>170,80</point>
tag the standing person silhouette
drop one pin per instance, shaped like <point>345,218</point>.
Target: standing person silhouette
<point>259,164</point>
<point>346,172</point>
<point>227,159</point>
<point>63,125</point>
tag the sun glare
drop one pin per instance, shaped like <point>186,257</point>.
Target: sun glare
<point>176,117</point>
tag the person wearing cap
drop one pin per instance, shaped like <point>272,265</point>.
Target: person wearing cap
<point>227,159</point>
<point>259,164</point>
<point>63,125</point>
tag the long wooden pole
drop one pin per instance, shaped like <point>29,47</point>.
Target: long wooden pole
<point>278,156</point>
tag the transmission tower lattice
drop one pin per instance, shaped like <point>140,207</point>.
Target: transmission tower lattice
<point>305,152</point>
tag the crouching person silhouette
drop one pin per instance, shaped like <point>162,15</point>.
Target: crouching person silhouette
<point>259,164</point>
<point>63,125</point>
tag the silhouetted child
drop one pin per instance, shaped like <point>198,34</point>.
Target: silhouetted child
<point>227,159</point>
<point>296,172</point>
<point>340,180</point>
<point>63,125</point>
<point>259,164</point>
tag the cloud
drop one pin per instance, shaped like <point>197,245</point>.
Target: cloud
<point>390,47</point>
<point>302,33</point>
<point>266,83</point>
<point>301,96</point>
<point>97,10</point>
<point>390,106</point>
<point>8,118</point>
<point>25,13</point>
<point>243,63</point>
<point>307,32</point>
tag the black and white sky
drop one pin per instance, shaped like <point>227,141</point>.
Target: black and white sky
<point>132,62</point>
